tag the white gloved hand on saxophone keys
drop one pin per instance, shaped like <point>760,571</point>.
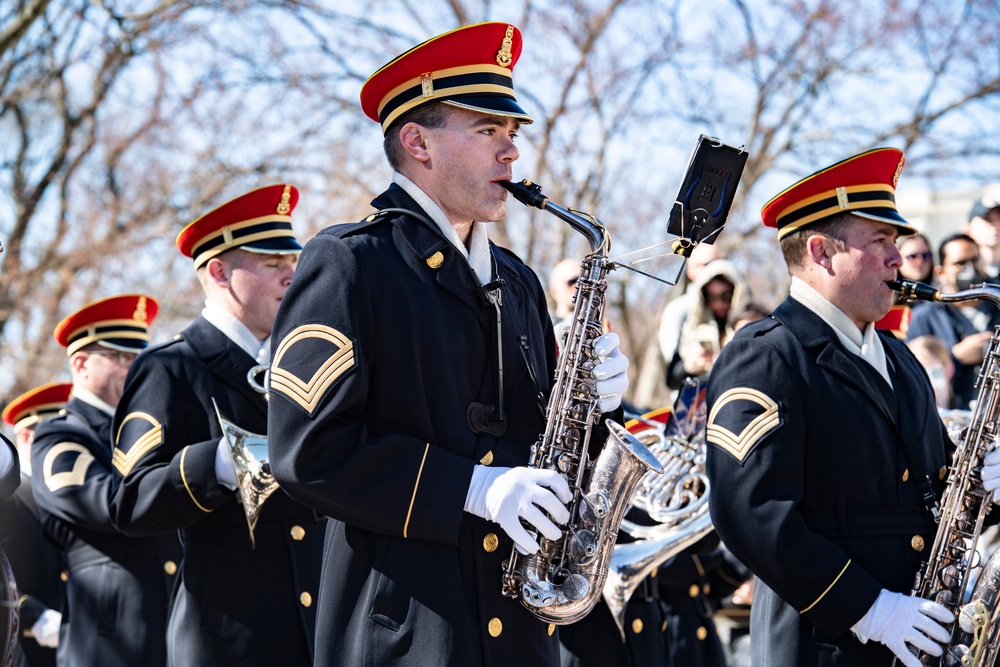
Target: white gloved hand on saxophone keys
<point>991,474</point>
<point>611,371</point>
<point>900,621</point>
<point>508,495</point>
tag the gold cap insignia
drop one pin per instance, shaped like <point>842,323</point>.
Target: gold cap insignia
<point>504,56</point>
<point>842,201</point>
<point>426,85</point>
<point>140,310</point>
<point>899,170</point>
<point>285,206</point>
<point>435,260</point>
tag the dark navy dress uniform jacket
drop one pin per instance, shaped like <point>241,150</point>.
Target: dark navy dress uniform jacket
<point>37,564</point>
<point>383,341</point>
<point>118,590</point>
<point>235,605</point>
<point>10,480</point>
<point>816,493</point>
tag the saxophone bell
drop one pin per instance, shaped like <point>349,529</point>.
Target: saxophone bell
<point>676,501</point>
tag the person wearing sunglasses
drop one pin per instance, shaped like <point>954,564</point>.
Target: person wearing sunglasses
<point>719,288</point>
<point>117,595</point>
<point>966,326</point>
<point>918,259</point>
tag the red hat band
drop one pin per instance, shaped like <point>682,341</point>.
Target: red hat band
<point>470,67</point>
<point>37,404</point>
<point>118,322</point>
<point>259,221</point>
<point>864,185</point>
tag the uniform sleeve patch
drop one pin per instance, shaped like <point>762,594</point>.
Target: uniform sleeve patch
<point>66,464</point>
<point>138,434</point>
<point>321,356</point>
<point>750,416</point>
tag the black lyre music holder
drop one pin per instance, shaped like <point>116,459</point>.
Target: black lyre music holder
<point>706,193</point>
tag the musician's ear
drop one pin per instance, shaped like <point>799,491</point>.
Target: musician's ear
<point>413,139</point>
<point>821,249</point>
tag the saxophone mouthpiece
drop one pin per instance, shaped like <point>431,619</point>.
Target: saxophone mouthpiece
<point>526,192</point>
<point>914,290</point>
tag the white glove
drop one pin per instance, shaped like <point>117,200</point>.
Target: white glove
<point>610,372</point>
<point>225,474</point>
<point>991,474</point>
<point>46,628</point>
<point>508,495</point>
<point>897,620</point>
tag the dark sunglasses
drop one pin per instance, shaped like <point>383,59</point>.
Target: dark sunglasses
<point>925,256</point>
<point>723,297</point>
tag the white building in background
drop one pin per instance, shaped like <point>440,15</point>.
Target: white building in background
<point>940,213</point>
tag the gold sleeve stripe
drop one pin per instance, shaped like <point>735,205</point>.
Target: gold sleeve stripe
<point>761,425</point>
<point>823,594</point>
<point>420,471</point>
<point>125,462</point>
<point>697,564</point>
<point>184,479</point>
<point>74,477</point>
<point>309,393</point>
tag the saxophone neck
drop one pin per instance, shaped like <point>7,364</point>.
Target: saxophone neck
<point>530,194</point>
<point>920,291</point>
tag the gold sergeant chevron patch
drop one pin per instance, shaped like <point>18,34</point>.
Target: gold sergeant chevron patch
<point>753,421</point>
<point>124,460</point>
<point>76,475</point>
<point>334,349</point>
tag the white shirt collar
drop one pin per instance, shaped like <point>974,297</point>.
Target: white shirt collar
<point>478,252</point>
<point>236,331</point>
<point>866,345</point>
<point>90,398</point>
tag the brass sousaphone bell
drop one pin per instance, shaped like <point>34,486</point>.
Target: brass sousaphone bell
<point>249,453</point>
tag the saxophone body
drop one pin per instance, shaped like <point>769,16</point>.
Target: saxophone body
<point>954,559</point>
<point>563,581</point>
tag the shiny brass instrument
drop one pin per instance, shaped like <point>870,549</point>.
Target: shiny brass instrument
<point>9,620</point>
<point>954,560</point>
<point>249,454</point>
<point>676,502</point>
<point>563,581</point>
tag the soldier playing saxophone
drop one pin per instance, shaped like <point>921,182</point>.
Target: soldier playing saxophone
<point>824,434</point>
<point>412,364</point>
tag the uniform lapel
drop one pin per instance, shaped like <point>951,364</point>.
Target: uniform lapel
<point>816,335</point>
<point>226,360</point>
<point>434,253</point>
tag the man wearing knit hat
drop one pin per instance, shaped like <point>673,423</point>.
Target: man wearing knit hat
<point>823,437</point>
<point>238,602</point>
<point>117,587</point>
<point>412,364</point>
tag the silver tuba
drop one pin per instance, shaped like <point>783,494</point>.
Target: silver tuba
<point>676,501</point>
<point>954,561</point>
<point>249,453</point>
<point>563,581</point>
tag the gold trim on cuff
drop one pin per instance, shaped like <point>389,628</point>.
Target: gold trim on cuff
<point>823,594</point>
<point>184,479</point>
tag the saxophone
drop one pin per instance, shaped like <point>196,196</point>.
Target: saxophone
<point>953,560</point>
<point>563,581</point>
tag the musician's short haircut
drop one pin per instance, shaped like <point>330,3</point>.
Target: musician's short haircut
<point>793,246</point>
<point>433,115</point>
